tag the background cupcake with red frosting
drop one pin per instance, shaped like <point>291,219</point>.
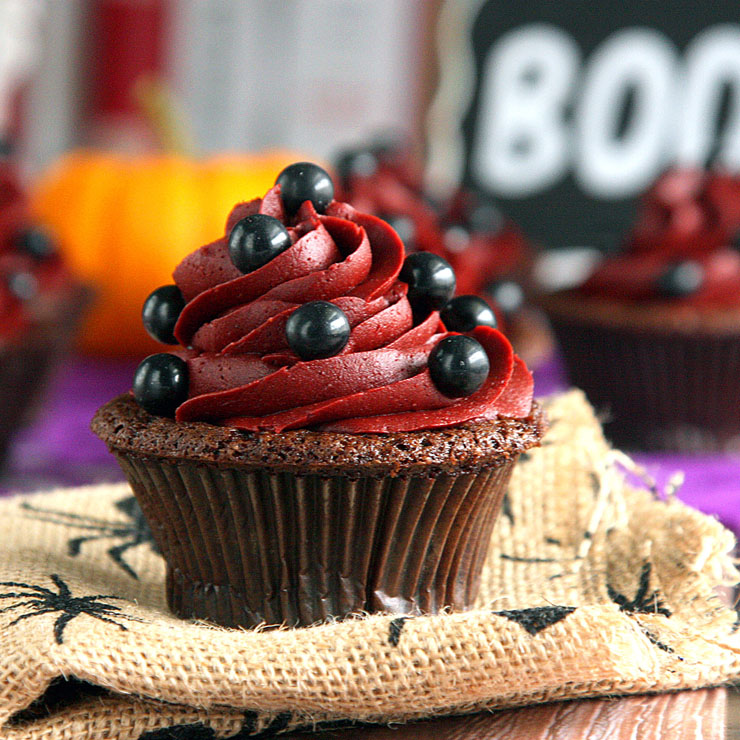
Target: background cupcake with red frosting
<point>653,335</point>
<point>490,255</point>
<point>321,443</point>
<point>40,304</point>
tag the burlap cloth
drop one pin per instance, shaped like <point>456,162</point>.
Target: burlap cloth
<point>591,588</point>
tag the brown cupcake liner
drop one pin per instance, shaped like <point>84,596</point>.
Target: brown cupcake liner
<point>658,390</point>
<point>26,364</point>
<point>245,548</point>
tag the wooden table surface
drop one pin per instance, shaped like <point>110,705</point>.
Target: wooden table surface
<point>708,714</point>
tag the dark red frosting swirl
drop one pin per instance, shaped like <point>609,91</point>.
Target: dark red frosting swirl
<point>243,374</point>
<point>686,215</point>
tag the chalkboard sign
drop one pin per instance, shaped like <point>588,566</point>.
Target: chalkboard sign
<point>566,111</point>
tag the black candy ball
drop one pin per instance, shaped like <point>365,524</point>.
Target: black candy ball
<point>431,282</point>
<point>37,243</point>
<point>465,312</point>
<point>404,227</point>
<point>458,366</point>
<point>161,311</point>
<point>255,240</point>
<point>456,239</point>
<point>485,216</point>
<point>316,330</point>
<point>304,181</point>
<point>507,295</point>
<point>735,241</point>
<point>355,163</point>
<point>681,279</point>
<point>23,285</point>
<point>388,143</point>
<point>161,384</point>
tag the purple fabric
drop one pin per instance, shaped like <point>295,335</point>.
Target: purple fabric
<point>59,449</point>
<point>550,377</point>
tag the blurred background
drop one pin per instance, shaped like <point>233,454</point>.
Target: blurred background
<point>245,75</point>
<point>134,125</point>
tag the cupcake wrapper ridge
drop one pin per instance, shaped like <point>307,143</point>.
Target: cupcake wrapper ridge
<point>669,391</point>
<point>245,548</point>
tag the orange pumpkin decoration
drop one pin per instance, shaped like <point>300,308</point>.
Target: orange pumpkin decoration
<point>124,223</point>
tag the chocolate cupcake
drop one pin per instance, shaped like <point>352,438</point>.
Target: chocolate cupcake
<point>653,336</point>
<point>40,307</point>
<point>334,449</point>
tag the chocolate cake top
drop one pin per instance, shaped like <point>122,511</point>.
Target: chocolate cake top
<point>127,428</point>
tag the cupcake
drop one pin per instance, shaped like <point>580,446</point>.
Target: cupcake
<point>653,335</point>
<point>320,444</point>
<point>490,255</point>
<point>40,305</point>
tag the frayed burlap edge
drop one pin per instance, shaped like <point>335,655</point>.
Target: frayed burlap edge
<point>591,588</point>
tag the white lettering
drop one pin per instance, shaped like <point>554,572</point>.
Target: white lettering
<point>610,163</point>
<point>635,106</point>
<point>712,64</point>
<point>521,141</point>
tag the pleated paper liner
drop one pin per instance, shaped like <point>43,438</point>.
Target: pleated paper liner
<point>657,390</point>
<point>247,548</point>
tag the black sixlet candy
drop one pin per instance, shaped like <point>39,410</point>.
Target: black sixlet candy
<point>507,295</point>
<point>465,312</point>
<point>735,241</point>
<point>403,226</point>
<point>255,240</point>
<point>316,330</point>
<point>456,238</point>
<point>681,279</point>
<point>36,242</point>
<point>304,181</point>
<point>160,313</point>
<point>484,216</point>
<point>355,163</point>
<point>458,366</point>
<point>388,144</point>
<point>161,384</point>
<point>23,285</point>
<point>431,282</point>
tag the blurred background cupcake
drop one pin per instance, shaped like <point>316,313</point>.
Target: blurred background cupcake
<point>40,305</point>
<point>41,300</point>
<point>653,335</point>
<point>490,255</point>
